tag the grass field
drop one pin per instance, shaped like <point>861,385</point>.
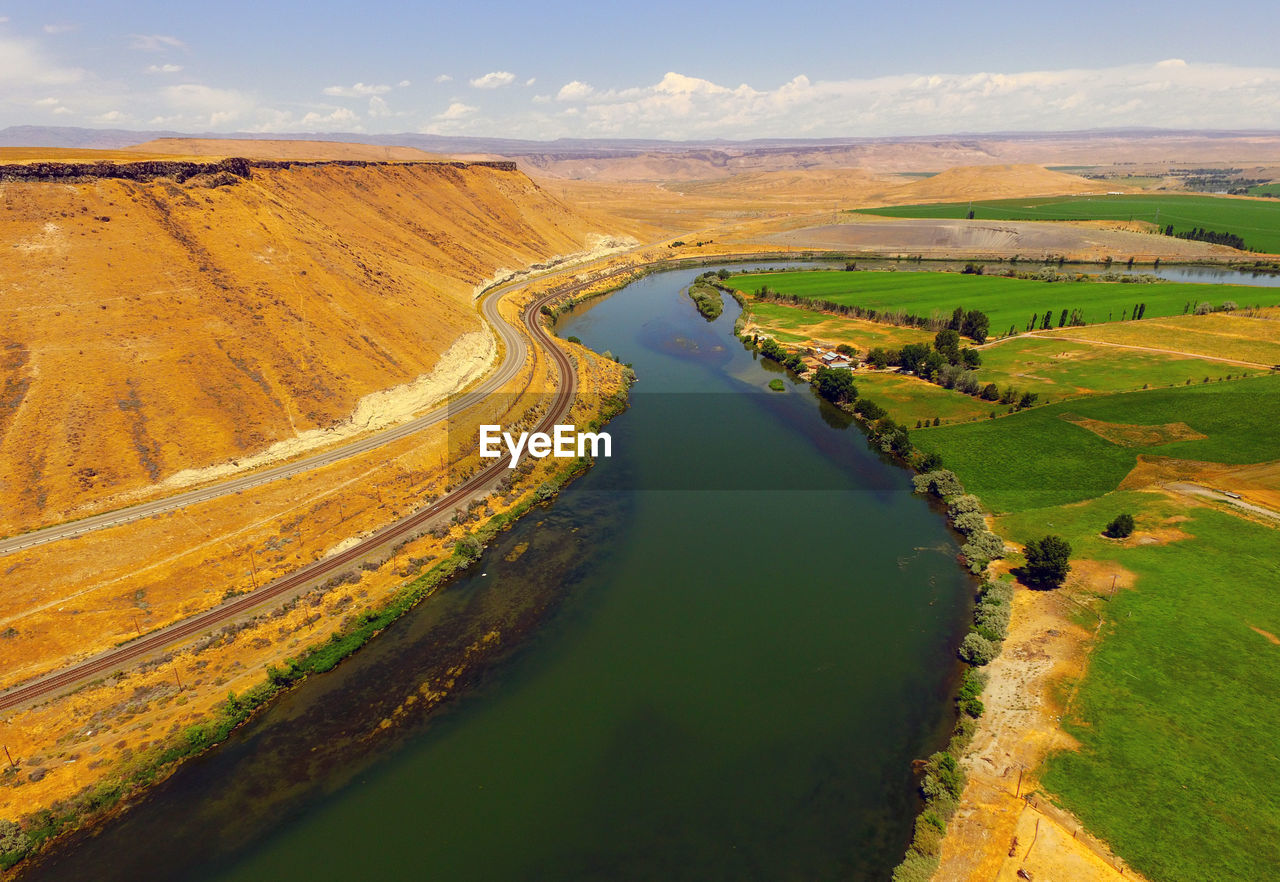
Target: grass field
<point>1220,334</point>
<point>1008,302</point>
<point>1057,368</point>
<point>791,324</point>
<point>1271,189</point>
<point>1037,458</point>
<point>1177,716</point>
<point>909,399</point>
<point>1258,223</point>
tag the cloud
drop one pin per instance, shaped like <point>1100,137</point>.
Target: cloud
<point>1173,94</point>
<point>574,91</point>
<point>456,110</point>
<point>444,78</point>
<point>404,84</point>
<point>494,80</point>
<point>196,104</point>
<point>336,115</point>
<point>23,63</point>
<point>155,42</point>
<point>58,28</point>
<point>359,90</point>
<point>378,108</point>
<point>111,116</point>
<point>530,81</point>
<point>163,68</point>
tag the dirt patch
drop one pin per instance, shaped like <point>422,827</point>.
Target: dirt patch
<point>1128,435</point>
<point>1271,637</point>
<point>997,831</point>
<point>1257,483</point>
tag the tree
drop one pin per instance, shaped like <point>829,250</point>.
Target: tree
<point>1121,527</point>
<point>1062,319</point>
<point>970,358</point>
<point>835,384</point>
<point>1047,321</point>
<point>990,392</point>
<point>957,319</point>
<point>914,355</point>
<point>1048,561</point>
<point>975,325</point>
<point>947,342</point>
<point>1142,310</point>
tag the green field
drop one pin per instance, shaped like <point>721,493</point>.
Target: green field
<point>1036,458</point>
<point>1055,369</point>
<point>909,399</point>
<point>790,324</point>
<point>1258,223</point>
<point>1008,302</point>
<point>1177,715</point>
<point>1271,189</point>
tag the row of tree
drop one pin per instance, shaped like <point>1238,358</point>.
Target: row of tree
<point>1200,234</point>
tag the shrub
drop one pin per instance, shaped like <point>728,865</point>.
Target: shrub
<point>940,482</point>
<point>1048,561</point>
<point>964,503</point>
<point>13,841</point>
<point>1121,527</point>
<point>977,650</point>
<point>777,385</point>
<point>572,339</point>
<point>984,546</point>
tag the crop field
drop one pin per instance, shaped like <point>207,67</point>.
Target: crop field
<point>1256,222</point>
<point>1008,302</point>
<point>1056,368</point>
<point>1223,335</point>
<point>790,324</point>
<point>909,399</point>
<point>1176,716</point>
<point>1082,448</point>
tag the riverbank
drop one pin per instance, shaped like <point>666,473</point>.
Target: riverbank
<point>80,758</point>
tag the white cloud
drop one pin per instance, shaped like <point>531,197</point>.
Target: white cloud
<point>195,104</point>
<point>404,84</point>
<point>163,68</point>
<point>155,42</point>
<point>1171,94</point>
<point>58,28</point>
<point>378,108</point>
<point>494,80</point>
<point>337,115</point>
<point>444,78</point>
<point>22,63</point>
<point>530,81</point>
<point>574,91</point>
<point>456,110</point>
<point>359,90</point>
<point>110,116</point>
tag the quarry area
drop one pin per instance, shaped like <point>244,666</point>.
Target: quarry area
<point>185,316</point>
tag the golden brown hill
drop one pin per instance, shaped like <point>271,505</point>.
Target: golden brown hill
<point>147,328</point>
<point>993,182</point>
<point>252,148</point>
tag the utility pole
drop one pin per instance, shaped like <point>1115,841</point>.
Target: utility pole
<point>135,625</point>
<point>10,756</point>
<point>253,569</point>
<point>1018,792</point>
<point>175,675</point>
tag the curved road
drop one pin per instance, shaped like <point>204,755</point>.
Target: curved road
<point>513,341</point>
<point>478,485</point>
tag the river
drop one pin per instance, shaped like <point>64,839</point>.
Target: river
<point>719,652</point>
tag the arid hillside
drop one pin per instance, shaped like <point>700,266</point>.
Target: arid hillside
<point>993,182</point>
<point>150,327</point>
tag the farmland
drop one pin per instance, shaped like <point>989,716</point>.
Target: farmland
<point>1047,456</point>
<point>1221,335</point>
<point>1058,367</point>
<point>1009,302</point>
<point>1177,713</point>
<point>1256,222</point>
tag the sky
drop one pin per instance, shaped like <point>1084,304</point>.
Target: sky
<point>682,71</point>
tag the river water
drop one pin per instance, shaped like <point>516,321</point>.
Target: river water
<point>719,652</point>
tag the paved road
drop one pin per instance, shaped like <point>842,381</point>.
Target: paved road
<point>478,486</point>
<point>515,347</point>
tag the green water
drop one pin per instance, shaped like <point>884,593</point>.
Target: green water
<point>720,651</point>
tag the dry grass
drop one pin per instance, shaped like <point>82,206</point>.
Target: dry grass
<point>1136,436</point>
<point>1219,335</point>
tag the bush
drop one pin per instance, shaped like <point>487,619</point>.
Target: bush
<point>964,503</point>
<point>572,339</point>
<point>13,841</point>
<point>1121,527</point>
<point>984,546</point>
<point>977,650</point>
<point>940,482</point>
<point>969,522</point>
<point>1048,561</point>
<point>777,385</point>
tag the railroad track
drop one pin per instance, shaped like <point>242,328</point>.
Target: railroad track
<point>478,484</point>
